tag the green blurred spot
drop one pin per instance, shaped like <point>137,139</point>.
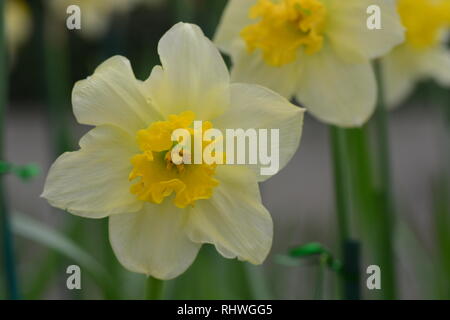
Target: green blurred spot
<point>316,249</point>
<point>5,167</point>
<point>25,172</point>
<point>309,249</point>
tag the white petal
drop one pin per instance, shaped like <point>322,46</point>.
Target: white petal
<point>112,95</point>
<point>255,107</point>
<point>251,68</point>
<point>437,65</point>
<point>337,92</point>
<point>234,219</point>
<point>400,71</point>
<point>153,241</point>
<point>404,67</point>
<point>93,181</point>
<point>234,19</point>
<point>193,74</point>
<point>352,39</point>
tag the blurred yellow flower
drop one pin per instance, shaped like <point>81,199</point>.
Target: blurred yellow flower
<point>160,213</point>
<point>17,24</point>
<point>96,15</point>
<point>316,50</point>
<point>424,54</point>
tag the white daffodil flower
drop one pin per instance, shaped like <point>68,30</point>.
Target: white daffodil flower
<point>318,51</point>
<point>160,213</point>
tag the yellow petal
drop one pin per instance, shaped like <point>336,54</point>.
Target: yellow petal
<point>112,95</point>
<point>253,106</point>
<point>337,92</point>
<point>93,181</point>
<point>193,74</point>
<point>348,33</point>
<point>152,241</point>
<point>234,219</point>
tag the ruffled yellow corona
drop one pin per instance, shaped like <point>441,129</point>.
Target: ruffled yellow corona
<point>158,176</point>
<point>283,27</point>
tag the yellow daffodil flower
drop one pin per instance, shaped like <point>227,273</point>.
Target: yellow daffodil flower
<point>424,54</point>
<point>316,50</point>
<point>17,24</point>
<point>160,213</point>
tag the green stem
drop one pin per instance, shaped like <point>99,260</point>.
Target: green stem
<point>444,103</point>
<point>383,186</point>
<point>154,289</point>
<point>372,191</point>
<point>55,56</point>
<point>259,286</point>
<point>442,223</point>
<point>352,257</point>
<point>8,249</point>
<point>341,183</point>
<point>50,44</point>
<point>318,293</point>
<point>370,209</point>
<point>349,278</point>
<point>441,192</point>
<point>7,239</point>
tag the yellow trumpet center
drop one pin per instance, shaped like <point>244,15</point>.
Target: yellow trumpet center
<point>157,177</point>
<point>424,20</point>
<point>284,27</point>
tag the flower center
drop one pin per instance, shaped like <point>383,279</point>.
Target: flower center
<point>158,176</point>
<point>424,20</point>
<point>284,27</point>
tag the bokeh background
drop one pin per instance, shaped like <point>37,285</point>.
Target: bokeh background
<point>40,125</point>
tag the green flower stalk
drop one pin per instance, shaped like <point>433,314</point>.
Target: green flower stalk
<point>7,239</point>
<point>349,277</point>
<point>371,210</point>
<point>154,289</point>
<point>386,214</point>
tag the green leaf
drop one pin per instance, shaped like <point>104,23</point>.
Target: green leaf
<point>33,230</point>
